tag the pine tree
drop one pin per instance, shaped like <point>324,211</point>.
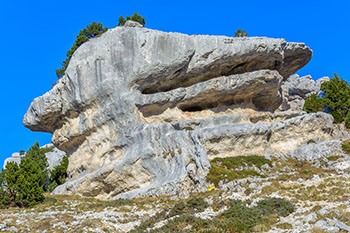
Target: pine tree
<point>37,155</point>
<point>136,17</point>
<point>122,21</point>
<point>337,97</point>
<point>92,30</point>
<point>347,120</point>
<point>58,174</point>
<point>241,33</point>
<point>11,180</point>
<point>313,104</point>
<point>24,184</point>
<point>336,100</point>
<point>30,183</point>
<point>4,197</point>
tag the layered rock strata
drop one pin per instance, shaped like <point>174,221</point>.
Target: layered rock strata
<point>141,112</point>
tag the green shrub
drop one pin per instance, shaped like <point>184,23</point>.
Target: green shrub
<point>313,104</point>
<point>191,206</point>
<point>37,155</point>
<point>24,184</point>
<point>276,206</point>
<point>196,204</point>
<point>92,30</point>
<point>346,146</point>
<point>336,100</point>
<point>237,218</point>
<point>347,120</point>
<point>58,174</point>
<point>52,186</point>
<point>11,179</point>
<point>334,157</point>
<point>136,17</point>
<point>240,218</point>
<point>241,33</point>
<point>337,95</point>
<point>49,200</point>
<point>30,183</point>
<point>228,168</point>
<point>338,117</point>
<point>4,197</point>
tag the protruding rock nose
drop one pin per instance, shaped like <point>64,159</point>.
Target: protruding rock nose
<point>43,113</point>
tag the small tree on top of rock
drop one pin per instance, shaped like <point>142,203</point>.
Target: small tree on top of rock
<point>92,30</point>
<point>241,33</point>
<point>136,17</point>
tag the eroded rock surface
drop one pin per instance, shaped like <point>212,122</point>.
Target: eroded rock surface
<point>296,89</point>
<point>141,112</point>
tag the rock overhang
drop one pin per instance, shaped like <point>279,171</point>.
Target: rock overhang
<point>154,61</point>
<point>99,111</point>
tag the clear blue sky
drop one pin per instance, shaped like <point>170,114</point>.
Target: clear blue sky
<point>35,36</point>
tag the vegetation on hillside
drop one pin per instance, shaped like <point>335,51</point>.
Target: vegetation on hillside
<point>237,218</point>
<point>241,33</point>
<point>336,100</point>
<point>226,169</point>
<point>58,175</point>
<point>23,184</point>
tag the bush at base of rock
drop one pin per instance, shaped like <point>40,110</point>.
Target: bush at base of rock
<point>58,174</point>
<point>23,185</point>
<point>336,100</point>
<point>20,186</point>
<point>313,104</point>
<point>228,169</point>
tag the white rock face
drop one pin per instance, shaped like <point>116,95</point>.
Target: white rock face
<point>140,112</point>
<point>54,157</point>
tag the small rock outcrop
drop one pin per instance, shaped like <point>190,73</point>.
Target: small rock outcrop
<point>141,112</point>
<point>296,89</point>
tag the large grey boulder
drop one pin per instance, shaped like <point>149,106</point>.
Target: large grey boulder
<point>140,112</point>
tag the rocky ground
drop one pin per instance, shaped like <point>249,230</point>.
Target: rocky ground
<point>275,193</point>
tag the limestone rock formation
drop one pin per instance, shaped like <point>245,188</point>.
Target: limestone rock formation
<point>295,89</point>
<point>141,112</point>
<point>54,157</point>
